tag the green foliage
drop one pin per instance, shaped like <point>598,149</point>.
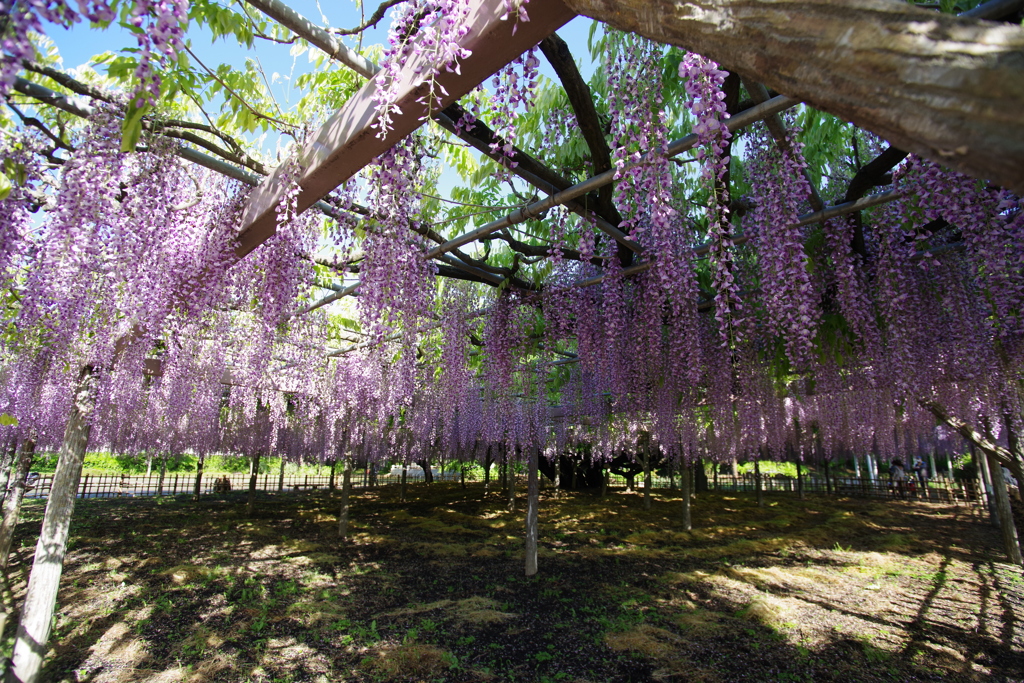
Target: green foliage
<point>770,468</point>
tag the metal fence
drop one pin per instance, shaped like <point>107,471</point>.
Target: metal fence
<point>115,486</point>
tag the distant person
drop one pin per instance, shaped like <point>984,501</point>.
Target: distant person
<point>898,478</point>
<point>921,470</point>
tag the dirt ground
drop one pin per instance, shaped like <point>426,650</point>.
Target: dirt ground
<point>827,589</point>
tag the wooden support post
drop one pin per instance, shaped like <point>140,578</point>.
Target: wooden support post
<point>33,634</point>
<point>687,486</point>
<point>346,491</point>
<point>334,466</point>
<point>163,475</point>
<point>280,476</point>
<point>757,483</point>
<point>1011,544</point>
<point>532,502</point>
<point>511,476</point>
<point>7,467</point>
<point>984,484</point>
<point>647,478</point>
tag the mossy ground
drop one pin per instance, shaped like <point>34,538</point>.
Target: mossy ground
<point>827,589</point>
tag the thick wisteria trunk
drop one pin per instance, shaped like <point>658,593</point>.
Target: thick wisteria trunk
<point>672,476</point>
<point>944,87</point>
<point>199,477</point>
<point>405,480</point>
<point>532,503</point>
<point>280,477</point>
<point>828,480</point>
<point>41,595</point>
<point>7,466</point>
<point>985,481</point>
<point>1011,543</point>
<point>12,503</point>
<point>428,474</point>
<point>647,479</point>
<point>346,492</point>
<point>334,466</point>
<point>757,483</point>
<point>558,474</point>
<point>149,464</point>
<point>687,486</point>
<point>254,474</point>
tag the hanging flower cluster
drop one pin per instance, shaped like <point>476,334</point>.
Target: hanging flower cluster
<point>706,102</point>
<point>777,173</point>
<point>160,22</point>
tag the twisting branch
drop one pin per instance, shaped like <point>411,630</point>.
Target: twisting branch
<point>377,15</point>
<point>872,175</point>
<point>582,102</point>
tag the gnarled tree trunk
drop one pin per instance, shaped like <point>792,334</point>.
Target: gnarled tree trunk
<point>947,88</point>
<point>12,503</point>
<point>41,594</point>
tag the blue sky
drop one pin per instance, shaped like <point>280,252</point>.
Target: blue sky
<point>80,43</point>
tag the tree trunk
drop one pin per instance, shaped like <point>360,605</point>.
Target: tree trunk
<point>405,480</point>
<point>12,503</point>
<point>828,480</point>
<point>254,473</point>
<point>331,486</point>
<point>944,87</point>
<point>532,502</point>
<point>149,465</point>
<point>280,476</point>
<point>1011,544</point>
<point>686,484</point>
<point>199,477</point>
<point>41,595</point>
<point>604,481</point>
<point>346,490</point>
<point>7,467</point>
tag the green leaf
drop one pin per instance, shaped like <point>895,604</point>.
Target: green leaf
<point>8,420</point>
<point>5,188</point>
<point>131,129</point>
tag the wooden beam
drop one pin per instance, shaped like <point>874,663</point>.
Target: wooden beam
<point>950,89</point>
<point>347,141</point>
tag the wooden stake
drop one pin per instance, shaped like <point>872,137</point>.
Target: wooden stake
<point>346,490</point>
<point>687,486</point>
<point>532,503</point>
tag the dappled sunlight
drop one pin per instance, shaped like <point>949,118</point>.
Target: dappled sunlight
<point>809,590</point>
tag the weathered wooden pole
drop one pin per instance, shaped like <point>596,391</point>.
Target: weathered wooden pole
<point>532,503</point>
<point>647,477</point>
<point>686,484</point>
<point>1011,544</point>
<point>757,482</point>
<point>346,491</point>
<point>12,503</point>
<point>511,482</point>
<point>41,595</point>
<point>163,474</point>
<point>985,483</point>
<point>280,476</point>
<point>7,467</point>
